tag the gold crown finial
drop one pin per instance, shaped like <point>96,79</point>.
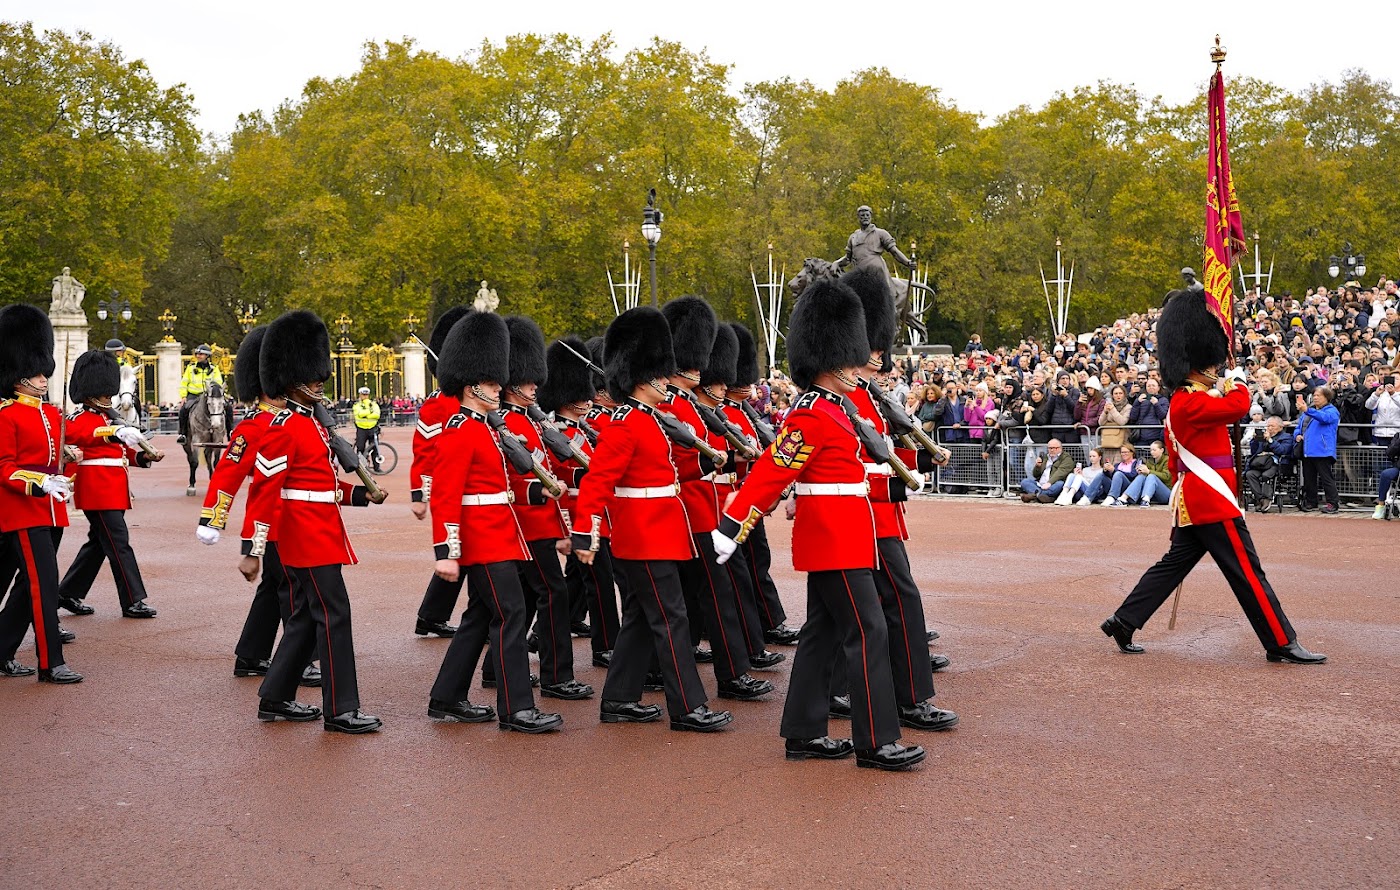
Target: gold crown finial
<point>1217,53</point>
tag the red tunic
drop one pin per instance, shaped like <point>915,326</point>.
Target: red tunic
<point>572,473</point>
<point>235,466</point>
<point>889,515</point>
<point>469,465</point>
<point>697,485</point>
<point>296,493</point>
<point>599,417</point>
<point>732,412</point>
<point>633,453</point>
<point>540,518</point>
<point>1199,420</point>
<point>817,446</point>
<point>29,439</point>
<point>434,411</point>
<point>101,483</point>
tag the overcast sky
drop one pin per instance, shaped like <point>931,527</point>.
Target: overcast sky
<point>987,57</point>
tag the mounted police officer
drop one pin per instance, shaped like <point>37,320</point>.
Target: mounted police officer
<point>198,377</point>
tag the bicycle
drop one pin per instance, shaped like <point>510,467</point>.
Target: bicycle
<point>380,457</point>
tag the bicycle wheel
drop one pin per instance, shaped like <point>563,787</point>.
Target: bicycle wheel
<point>388,460</point>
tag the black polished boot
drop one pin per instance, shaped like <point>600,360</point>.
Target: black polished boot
<point>702,719</point>
<point>270,711</point>
<point>893,756</point>
<point>310,677</point>
<point>824,748</point>
<point>765,661</point>
<point>460,711</point>
<point>250,667</point>
<point>438,628</point>
<point>628,712</point>
<point>569,690</point>
<point>839,707</point>
<point>1294,653</point>
<point>76,606</point>
<point>925,716</point>
<point>139,610</point>
<point>782,635</point>
<point>532,721</point>
<point>353,723</point>
<point>15,669</point>
<point>1122,634</point>
<point>62,675</point>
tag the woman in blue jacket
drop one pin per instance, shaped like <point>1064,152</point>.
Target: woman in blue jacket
<point>1318,434</point>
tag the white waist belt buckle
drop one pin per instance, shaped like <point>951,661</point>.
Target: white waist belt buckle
<point>849,489</point>
<point>315,497</point>
<point>485,500</point>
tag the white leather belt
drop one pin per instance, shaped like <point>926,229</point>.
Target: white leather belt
<point>571,492</point>
<point>103,462</point>
<point>486,500</point>
<point>657,491</point>
<point>878,470</point>
<point>315,497</point>
<point>721,478</point>
<point>854,489</point>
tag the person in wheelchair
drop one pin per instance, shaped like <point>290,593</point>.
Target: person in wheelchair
<point>366,414</point>
<point>1387,502</point>
<point>1270,457</point>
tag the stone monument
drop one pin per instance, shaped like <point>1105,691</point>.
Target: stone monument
<point>486,300</point>
<point>70,333</point>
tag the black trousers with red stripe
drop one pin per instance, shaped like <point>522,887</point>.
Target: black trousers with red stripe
<point>319,624</point>
<point>109,541</point>
<point>654,625</point>
<point>1230,545</point>
<point>741,579</point>
<point>440,599</point>
<point>597,589</point>
<point>759,560</point>
<point>904,620</point>
<point>495,612</point>
<point>710,598</point>
<point>270,609</point>
<point>542,580</point>
<point>32,554</point>
<point>843,616</point>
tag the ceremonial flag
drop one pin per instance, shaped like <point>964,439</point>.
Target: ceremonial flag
<point>1224,229</point>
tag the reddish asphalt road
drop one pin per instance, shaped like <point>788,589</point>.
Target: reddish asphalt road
<point>1195,765</point>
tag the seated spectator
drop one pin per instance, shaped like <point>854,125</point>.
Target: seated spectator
<point>1048,477</point>
<point>1124,473</point>
<point>1270,456</point>
<point>1087,484</point>
<point>1387,476</point>
<point>1153,482</point>
<point>1149,411</point>
<point>1318,434</point>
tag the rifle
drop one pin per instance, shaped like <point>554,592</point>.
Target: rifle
<point>876,446</point>
<point>560,445</point>
<point>146,447</point>
<point>345,454</point>
<point>722,427</point>
<point>680,434</point>
<point>589,432</point>
<point>905,429</point>
<point>520,457</point>
<point>764,429</point>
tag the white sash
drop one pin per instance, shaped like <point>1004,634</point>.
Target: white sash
<point>1201,470</point>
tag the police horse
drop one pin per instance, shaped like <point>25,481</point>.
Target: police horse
<point>209,425</point>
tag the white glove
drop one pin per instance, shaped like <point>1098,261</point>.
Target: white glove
<point>130,436</point>
<point>1237,374</point>
<point>724,546</point>
<point>918,476</point>
<point>57,487</point>
<point>206,534</point>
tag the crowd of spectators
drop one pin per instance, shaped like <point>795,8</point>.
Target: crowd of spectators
<point>1323,371</point>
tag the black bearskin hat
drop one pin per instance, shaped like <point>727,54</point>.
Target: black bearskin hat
<point>1189,338</point>
<point>439,334</point>
<point>826,332</point>
<point>95,374</point>
<point>26,345</point>
<point>570,381</point>
<point>693,329</point>
<point>527,363</point>
<point>476,350</point>
<point>637,348</point>
<point>247,379</point>
<point>872,284</point>
<point>746,368</point>
<point>296,349</point>
<point>595,352</point>
<point>724,359</point>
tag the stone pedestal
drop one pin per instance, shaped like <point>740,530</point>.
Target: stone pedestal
<point>70,340</point>
<point>168,372</point>
<point>415,369</point>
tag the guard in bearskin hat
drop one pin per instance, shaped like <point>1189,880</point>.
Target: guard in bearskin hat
<point>710,595</point>
<point>272,603</point>
<point>440,599</point>
<point>34,491</point>
<point>833,539</point>
<point>715,379</point>
<point>294,499</point>
<point>758,558</point>
<point>633,485</point>
<point>1206,515</point>
<point>568,395</point>
<point>911,665</point>
<point>101,488</point>
<point>603,405</point>
<point>476,533</point>
<point>539,514</point>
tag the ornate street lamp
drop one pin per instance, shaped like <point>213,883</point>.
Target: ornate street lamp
<point>411,322</point>
<point>1353,265</point>
<point>345,344</point>
<point>117,309</point>
<point>167,324</point>
<point>248,316</point>
<point>651,230</point>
